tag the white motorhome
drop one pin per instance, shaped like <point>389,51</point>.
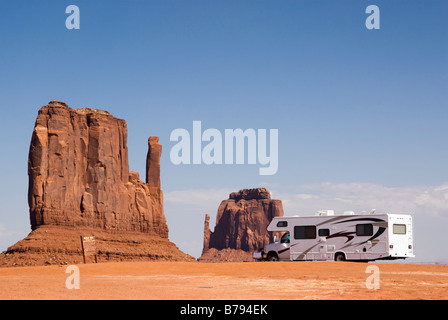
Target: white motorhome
<point>326,236</point>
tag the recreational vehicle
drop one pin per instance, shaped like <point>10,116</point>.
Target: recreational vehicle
<point>326,236</point>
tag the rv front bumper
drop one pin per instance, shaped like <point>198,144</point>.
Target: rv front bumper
<point>260,255</point>
<point>257,255</point>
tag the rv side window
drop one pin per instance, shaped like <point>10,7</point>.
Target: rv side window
<point>399,229</point>
<point>364,229</point>
<point>305,232</point>
<point>285,238</point>
<point>282,224</point>
<point>324,232</point>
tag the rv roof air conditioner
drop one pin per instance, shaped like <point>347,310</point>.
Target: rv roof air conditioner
<point>324,213</point>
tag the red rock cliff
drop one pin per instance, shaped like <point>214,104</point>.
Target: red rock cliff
<point>242,220</point>
<point>79,174</point>
<point>79,183</point>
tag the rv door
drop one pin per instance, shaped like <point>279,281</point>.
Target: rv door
<point>304,242</point>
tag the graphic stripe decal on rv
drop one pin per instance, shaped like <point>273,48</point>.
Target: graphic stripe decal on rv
<point>376,235</point>
<point>349,235</point>
<point>302,255</point>
<point>362,219</point>
<point>284,250</point>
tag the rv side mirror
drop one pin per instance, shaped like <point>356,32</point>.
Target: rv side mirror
<point>275,238</point>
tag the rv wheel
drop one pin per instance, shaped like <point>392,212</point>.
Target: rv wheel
<point>339,257</point>
<point>272,257</point>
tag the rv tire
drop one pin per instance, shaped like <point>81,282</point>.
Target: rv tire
<point>272,256</point>
<point>339,256</point>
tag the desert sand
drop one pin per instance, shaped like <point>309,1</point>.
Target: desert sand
<point>226,281</point>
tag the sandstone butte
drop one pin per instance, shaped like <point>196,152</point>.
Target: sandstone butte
<point>241,223</point>
<point>80,185</point>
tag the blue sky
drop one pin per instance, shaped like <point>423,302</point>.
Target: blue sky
<point>352,105</point>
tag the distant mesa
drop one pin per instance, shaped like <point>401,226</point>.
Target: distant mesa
<point>80,184</point>
<point>241,224</point>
